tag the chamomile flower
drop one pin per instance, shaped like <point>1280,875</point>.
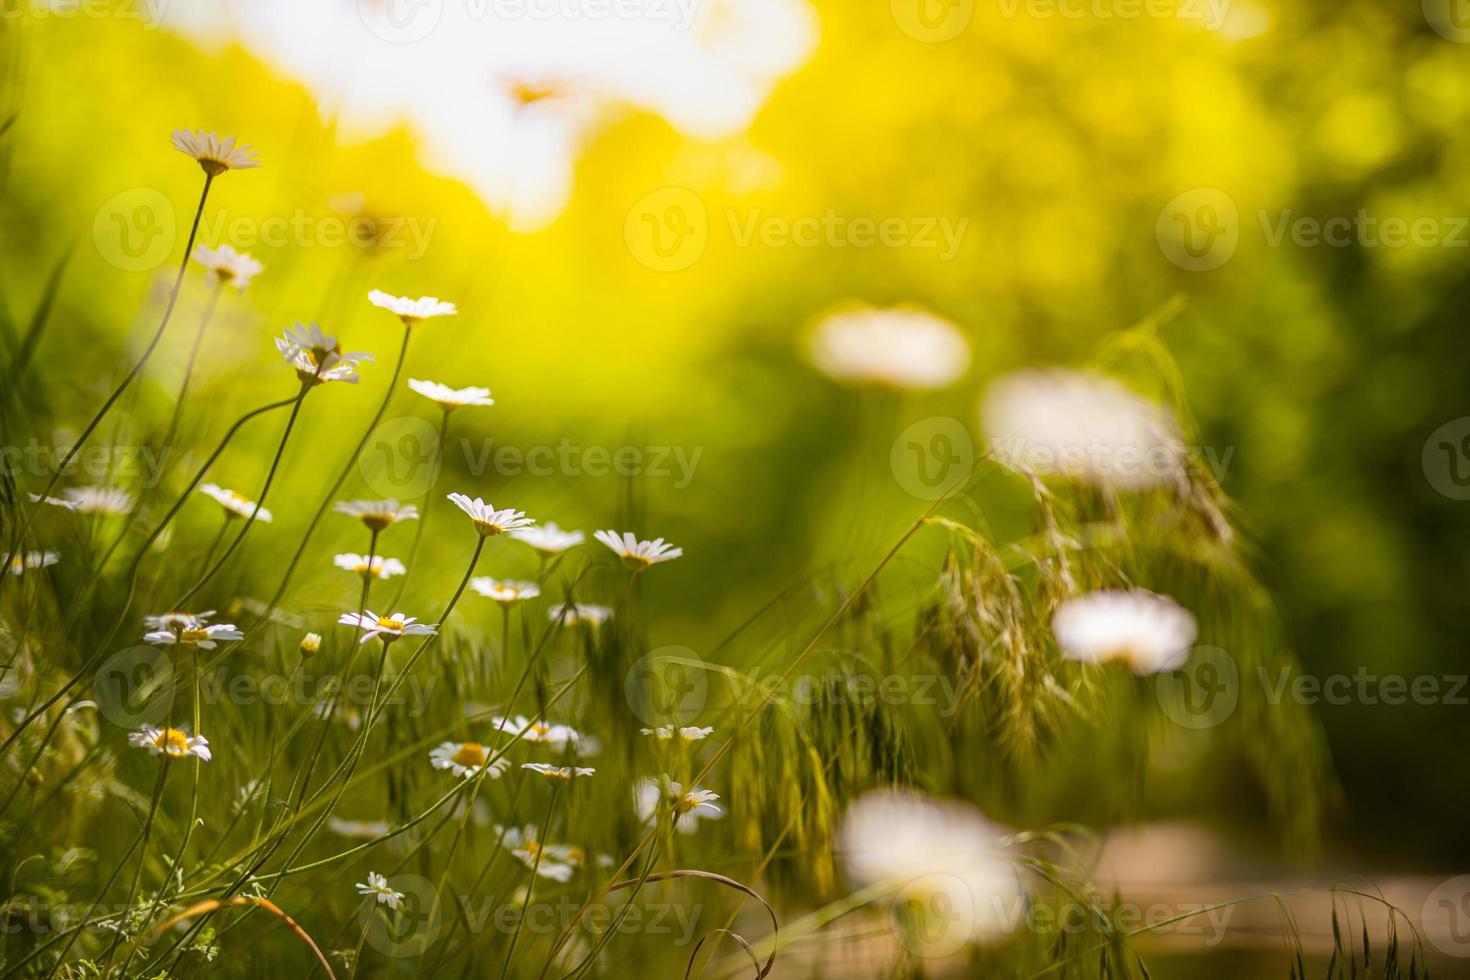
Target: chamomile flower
<point>91,500</point>
<point>412,311</point>
<point>172,742</point>
<point>389,628</point>
<point>31,560</point>
<point>688,806</point>
<point>900,347</point>
<point>317,356</point>
<point>177,620</point>
<point>377,888</point>
<point>237,504</point>
<point>194,634</point>
<point>556,736</point>
<point>215,155</point>
<point>449,398</point>
<point>382,568</point>
<point>636,554</point>
<point>559,862</point>
<point>686,733</point>
<point>548,539</point>
<point>1150,633</point>
<point>310,644</point>
<point>489,521</point>
<point>558,774</point>
<point>225,265</point>
<point>377,514</point>
<point>505,591</point>
<point>571,614</point>
<point>465,759</point>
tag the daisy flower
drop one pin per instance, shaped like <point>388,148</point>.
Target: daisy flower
<point>556,736</point>
<point>488,520</point>
<point>235,503</point>
<point>310,644</point>
<point>317,356</point>
<point>449,398</point>
<point>91,500</point>
<point>557,861</point>
<point>389,628</point>
<point>548,538</point>
<point>506,592</point>
<point>377,887</point>
<point>177,620</point>
<point>569,614</point>
<point>214,154</point>
<point>636,554</point>
<point>688,733</point>
<point>1150,633</point>
<point>32,559</point>
<point>412,311</point>
<point>687,806</point>
<point>897,348</point>
<point>377,514</point>
<point>383,568</point>
<point>224,264</point>
<point>1082,426</point>
<point>195,634</point>
<point>560,774</point>
<point>465,759</point>
<point>936,854</point>
<point>172,742</point>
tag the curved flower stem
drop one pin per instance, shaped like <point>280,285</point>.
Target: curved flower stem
<point>418,532</point>
<point>19,539</point>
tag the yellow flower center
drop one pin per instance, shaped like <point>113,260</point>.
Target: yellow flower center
<point>378,521</point>
<point>470,755</point>
<point>389,623</point>
<point>193,634</point>
<point>540,729</point>
<point>173,741</point>
<point>487,529</point>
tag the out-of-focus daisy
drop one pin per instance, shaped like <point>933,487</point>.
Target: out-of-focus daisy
<point>559,774</point>
<point>556,736</point>
<point>901,347</point>
<point>195,634</point>
<point>449,398</point>
<point>310,644</point>
<point>571,614</point>
<point>317,356</point>
<point>548,538</point>
<point>358,829</point>
<point>226,265</point>
<point>177,620</point>
<point>412,311</point>
<point>377,514</point>
<point>489,521</point>
<point>1082,426</point>
<point>505,591</point>
<point>31,560</point>
<point>377,888</point>
<point>636,554</point>
<point>215,155</point>
<point>92,500</point>
<point>172,742</point>
<point>686,733</point>
<point>687,806</point>
<point>389,628</point>
<point>465,759</point>
<point>1150,633</point>
<point>557,861</point>
<point>936,855</point>
<point>235,503</point>
<point>383,568</point>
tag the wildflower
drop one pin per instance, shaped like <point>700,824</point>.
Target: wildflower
<point>91,500</point>
<point>556,736</point>
<point>177,620</point>
<point>194,634</point>
<point>235,503</point>
<point>557,861</point>
<point>1081,426</point>
<point>214,155</point>
<point>382,568</point>
<point>687,733</point>
<point>317,356</point>
<point>389,628</point>
<point>900,347</point>
<point>412,311</point>
<point>506,592</point>
<point>687,807</point>
<point>560,774</point>
<point>173,742</point>
<point>32,559</point>
<point>377,514</point>
<point>377,887</point>
<point>449,398</point>
<point>937,854</point>
<point>488,520</point>
<point>548,538</point>
<point>1150,633</point>
<point>636,554</point>
<point>465,759</point>
<point>224,264</point>
<point>310,644</point>
<point>570,613</point>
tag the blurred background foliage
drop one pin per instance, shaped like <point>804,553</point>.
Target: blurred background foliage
<point>1318,373</point>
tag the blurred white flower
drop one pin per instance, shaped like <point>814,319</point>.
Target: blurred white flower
<point>224,264</point>
<point>900,347</point>
<point>505,591</point>
<point>557,861</point>
<point>687,806</point>
<point>214,154</point>
<point>235,503</point>
<point>377,887</point>
<point>317,356</point>
<point>449,398</point>
<point>91,500</point>
<point>687,733</point>
<point>177,620</point>
<point>489,521</point>
<point>465,759</point>
<point>389,628</point>
<point>360,829</point>
<point>560,774</point>
<point>412,311</point>
<point>32,559</point>
<point>571,614</point>
<point>548,538</point>
<point>556,736</point>
<point>173,742</point>
<point>636,554</point>
<point>1082,426</point>
<point>383,568</point>
<point>1150,633</point>
<point>377,514</point>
